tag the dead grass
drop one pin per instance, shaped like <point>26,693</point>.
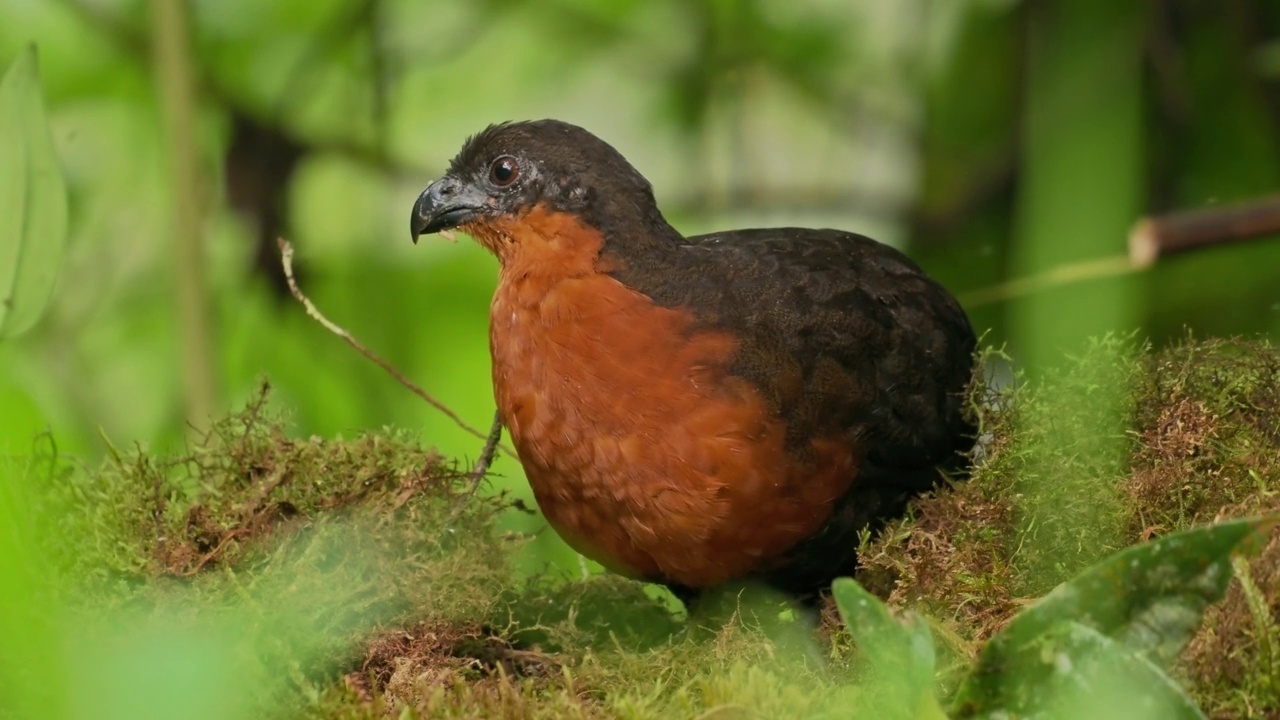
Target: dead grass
<point>360,590</point>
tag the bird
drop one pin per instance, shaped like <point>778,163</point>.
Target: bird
<point>700,411</point>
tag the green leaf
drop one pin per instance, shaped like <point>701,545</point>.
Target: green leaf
<point>33,199</point>
<point>1148,599</point>
<point>898,656</point>
<point>1073,671</point>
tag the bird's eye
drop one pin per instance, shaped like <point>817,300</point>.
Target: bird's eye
<point>504,171</point>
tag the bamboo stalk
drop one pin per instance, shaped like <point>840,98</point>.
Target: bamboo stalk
<point>176,88</point>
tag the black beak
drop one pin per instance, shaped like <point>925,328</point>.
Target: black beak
<point>446,203</point>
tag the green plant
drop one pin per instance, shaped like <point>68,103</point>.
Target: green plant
<point>1101,640</point>
<point>33,224</point>
<point>33,199</point>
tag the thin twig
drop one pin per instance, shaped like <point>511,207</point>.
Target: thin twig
<point>215,552</point>
<point>483,462</point>
<point>1068,274</point>
<point>1151,239</point>
<point>286,259</point>
<point>491,444</point>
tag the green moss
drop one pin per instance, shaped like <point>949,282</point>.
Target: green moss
<point>356,578</point>
<point>293,551</point>
<point>1120,445</point>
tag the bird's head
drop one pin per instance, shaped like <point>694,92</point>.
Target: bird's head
<point>520,184</point>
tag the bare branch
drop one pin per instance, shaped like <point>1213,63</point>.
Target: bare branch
<point>1162,235</point>
<point>1151,239</point>
<point>286,259</point>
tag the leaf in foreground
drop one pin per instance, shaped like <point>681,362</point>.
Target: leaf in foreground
<point>898,656</point>
<point>1073,671</point>
<point>1148,599</point>
<point>33,199</point>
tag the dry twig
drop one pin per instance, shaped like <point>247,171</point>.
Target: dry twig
<point>1151,239</point>
<point>1163,235</point>
<point>481,467</point>
<point>492,439</point>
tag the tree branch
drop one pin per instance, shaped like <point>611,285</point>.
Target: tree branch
<point>1156,237</point>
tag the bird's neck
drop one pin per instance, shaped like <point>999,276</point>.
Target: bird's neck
<point>542,245</point>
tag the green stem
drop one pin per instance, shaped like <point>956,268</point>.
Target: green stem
<point>172,52</point>
<point>1055,277</point>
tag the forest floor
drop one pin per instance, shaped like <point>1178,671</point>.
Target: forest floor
<point>352,578</point>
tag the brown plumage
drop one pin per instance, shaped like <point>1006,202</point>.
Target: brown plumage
<point>694,411</point>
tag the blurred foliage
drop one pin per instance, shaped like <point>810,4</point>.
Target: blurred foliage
<point>1101,639</point>
<point>897,659</point>
<point>1110,631</point>
<point>1200,442</point>
<point>991,138</point>
<point>33,199</point>
<point>258,574</point>
<point>1053,124</point>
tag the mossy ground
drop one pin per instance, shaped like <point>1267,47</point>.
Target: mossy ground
<point>352,578</point>
<point>1115,448</point>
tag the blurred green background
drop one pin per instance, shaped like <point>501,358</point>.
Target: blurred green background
<point>990,139</point>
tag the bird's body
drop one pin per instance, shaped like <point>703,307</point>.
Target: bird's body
<point>694,411</point>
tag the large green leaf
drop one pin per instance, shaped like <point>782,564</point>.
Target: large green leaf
<point>1149,599</point>
<point>1074,671</point>
<point>33,199</point>
<point>898,657</point>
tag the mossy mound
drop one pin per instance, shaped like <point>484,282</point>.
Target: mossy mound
<point>349,578</point>
<point>1117,447</point>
